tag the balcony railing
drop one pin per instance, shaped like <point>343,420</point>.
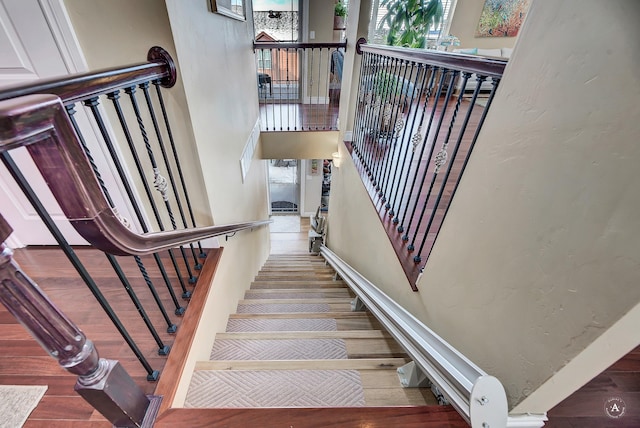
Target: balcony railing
<point>299,85</point>
<point>418,117</point>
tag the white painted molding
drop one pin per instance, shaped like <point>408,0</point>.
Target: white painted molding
<point>249,150</point>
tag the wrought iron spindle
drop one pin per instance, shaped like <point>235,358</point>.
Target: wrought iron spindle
<point>416,139</point>
<point>171,327</point>
<point>115,97</point>
<point>398,171</point>
<point>179,168</point>
<point>396,119</point>
<point>152,375</point>
<point>495,82</point>
<point>425,140</point>
<point>361,109</point>
<point>440,159</point>
<point>374,117</point>
<point>162,348</point>
<point>453,158</point>
<point>384,119</point>
<point>434,141</point>
<point>145,89</point>
<point>134,103</point>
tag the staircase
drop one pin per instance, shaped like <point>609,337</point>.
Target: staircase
<point>295,342</point>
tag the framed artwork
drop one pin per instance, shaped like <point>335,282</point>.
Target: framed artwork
<point>502,18</point>
<point>231,8</point>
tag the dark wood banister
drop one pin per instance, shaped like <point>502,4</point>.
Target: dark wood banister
<point>491,67</point>
<point>291,45</point>
<point>40,123</point>
<point>81,86</point>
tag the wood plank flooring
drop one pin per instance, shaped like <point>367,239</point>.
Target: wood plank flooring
<point>23,362</point>
<point>585,408</point>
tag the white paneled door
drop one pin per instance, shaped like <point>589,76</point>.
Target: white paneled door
<point>37,41</point>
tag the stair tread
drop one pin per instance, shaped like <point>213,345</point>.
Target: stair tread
<point>356,364</point>
<point>344,334</point>
<point>303,315</point>
<point>329,300</point>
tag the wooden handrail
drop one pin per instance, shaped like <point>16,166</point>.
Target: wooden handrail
<point>291,45</point>
<point>40,123</point>
<point>491,67</point>
<point>77,87</point>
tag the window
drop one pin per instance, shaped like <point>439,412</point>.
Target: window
<point>378,35</point>
<point>264,59</point>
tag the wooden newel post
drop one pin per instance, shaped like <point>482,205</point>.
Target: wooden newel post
<point>103,383</point>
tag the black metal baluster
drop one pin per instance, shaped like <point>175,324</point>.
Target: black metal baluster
<point>425,140</point>
<point>440,158</point>
<point>114,97</point>
<point>358,121</point>
<point>370,115</point>
<point>134,103</point>
<point>397,177</point>
<point>374,120</point>
<point>454,153</point>
<point>397,118</point>
<point>495,82</point>
<point>385,121</point>
<point>152,375</point>
<point>416,139</point>
<point>179,167</point>
<point>93,103</point>
<point>454,74</point>
<point>145,89</point>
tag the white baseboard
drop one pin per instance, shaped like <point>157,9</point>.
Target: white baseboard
<point>316,100</point>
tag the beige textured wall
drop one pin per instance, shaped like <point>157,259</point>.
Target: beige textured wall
<point>120,32</point>
<point>355,233</point>
<point>464,25</point>
<point>540,252</point>
<point>298,145</point>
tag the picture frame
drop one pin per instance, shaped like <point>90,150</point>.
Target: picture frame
<point>232,8</point>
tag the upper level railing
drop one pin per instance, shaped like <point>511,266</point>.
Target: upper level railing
<point>299,85</point>
<point>418,117</point>
<point>42,119</point>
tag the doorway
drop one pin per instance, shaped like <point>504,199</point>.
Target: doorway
<point>284,186</point>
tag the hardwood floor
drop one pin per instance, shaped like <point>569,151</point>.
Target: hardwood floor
<point>585,408</point>
<point>24,362</point>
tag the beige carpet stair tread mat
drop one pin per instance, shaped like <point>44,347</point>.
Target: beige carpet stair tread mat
<point>320,324</point>
<point>299,349</point>
<point>271,308</point>
<point>272,388</point>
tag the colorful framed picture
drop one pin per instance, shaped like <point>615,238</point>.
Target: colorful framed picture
<point>231,8</point>
<point>502,18</point>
